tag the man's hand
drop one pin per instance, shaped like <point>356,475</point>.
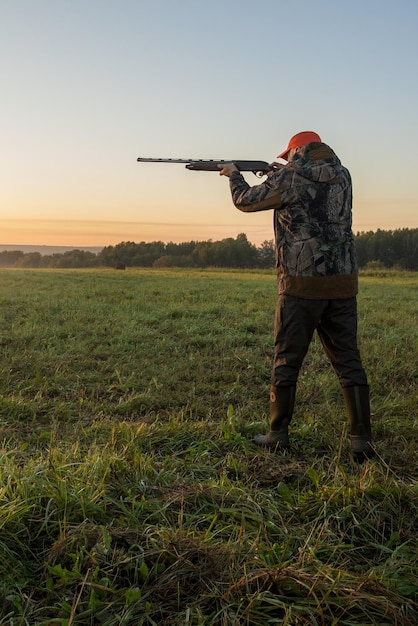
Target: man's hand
<point>277,166</point>
<point>227,169</point>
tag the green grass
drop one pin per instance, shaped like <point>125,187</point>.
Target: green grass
<point>130,490</point>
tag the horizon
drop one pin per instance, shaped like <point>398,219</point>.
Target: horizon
<point>9,247</point>
<point>167,232</point>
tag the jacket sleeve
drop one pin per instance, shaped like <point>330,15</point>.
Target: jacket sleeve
<point>263,197</point>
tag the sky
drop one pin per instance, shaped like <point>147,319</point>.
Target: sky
<point>90,85</point>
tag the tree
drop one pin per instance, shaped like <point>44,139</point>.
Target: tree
<point>9,258</point>
<point>32,259</point>
<point>266,254</point>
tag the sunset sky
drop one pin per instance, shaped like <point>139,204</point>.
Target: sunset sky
<point>90,85</point>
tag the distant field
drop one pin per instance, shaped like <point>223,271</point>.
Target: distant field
<point>130,490</point>
<point>46,250</point>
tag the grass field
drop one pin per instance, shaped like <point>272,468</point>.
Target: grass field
<point>130,490</point>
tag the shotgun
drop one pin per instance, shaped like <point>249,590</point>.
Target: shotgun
<point>259,168</point>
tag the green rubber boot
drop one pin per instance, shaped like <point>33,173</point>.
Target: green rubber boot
<point>357,402</point>
<point>282,401</point>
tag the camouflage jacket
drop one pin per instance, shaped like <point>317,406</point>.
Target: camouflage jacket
<point>311,197</point>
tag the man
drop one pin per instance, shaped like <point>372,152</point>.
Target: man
<point>317,279</point>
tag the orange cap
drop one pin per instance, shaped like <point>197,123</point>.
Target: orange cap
<point>299,140</point>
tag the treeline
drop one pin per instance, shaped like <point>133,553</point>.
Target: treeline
<point>237,253</point>
<point>397,249</point>
<point>71,258</point>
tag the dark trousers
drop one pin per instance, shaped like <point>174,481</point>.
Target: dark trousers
<point>336,324</point>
